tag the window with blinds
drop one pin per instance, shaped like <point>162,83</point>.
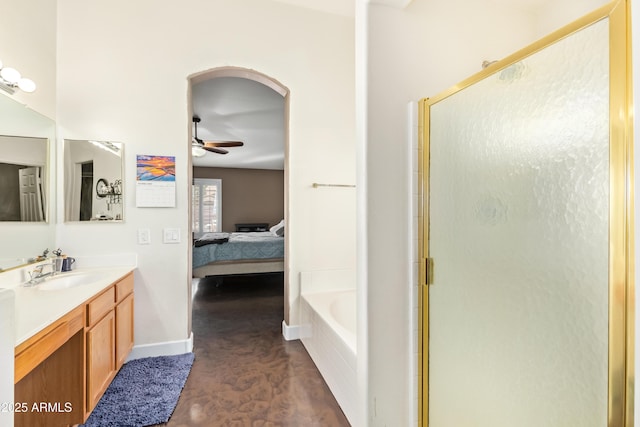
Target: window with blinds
<point>206,206</point>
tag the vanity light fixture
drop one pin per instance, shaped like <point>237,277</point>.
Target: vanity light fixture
<point>10,79</point>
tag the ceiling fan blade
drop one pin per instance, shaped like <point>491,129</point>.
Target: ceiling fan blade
<point>215,150</point>
<point>212,146</point>
<point>223,143</point>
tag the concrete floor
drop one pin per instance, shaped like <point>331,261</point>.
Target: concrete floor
<point>245,373</point>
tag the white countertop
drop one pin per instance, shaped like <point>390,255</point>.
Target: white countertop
<point>36,308</point>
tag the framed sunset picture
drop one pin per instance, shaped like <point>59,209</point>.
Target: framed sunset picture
<point>155,168</point>
<point>155,181</point>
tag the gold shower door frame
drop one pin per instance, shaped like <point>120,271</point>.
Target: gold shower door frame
<point>621,210</point>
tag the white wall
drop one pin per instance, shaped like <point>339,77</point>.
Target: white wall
<point>28,44</point>
<point>555,15</point>
<point>435,44</point>
<point>122,76</point>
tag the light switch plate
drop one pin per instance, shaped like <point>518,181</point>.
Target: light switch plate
<point>144,236</point>
<point>171,235</point>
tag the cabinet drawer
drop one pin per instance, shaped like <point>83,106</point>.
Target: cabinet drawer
<point>100,306</point>
<point>124,287</point>
<point>29,357</point>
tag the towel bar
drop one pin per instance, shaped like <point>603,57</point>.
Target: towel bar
<point>316,185</point>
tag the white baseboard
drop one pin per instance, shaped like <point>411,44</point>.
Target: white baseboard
<point>168,348</point>
<point>290,333</point>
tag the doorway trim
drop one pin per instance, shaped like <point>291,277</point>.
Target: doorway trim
<point>249,74</point>
<point>621,334</point>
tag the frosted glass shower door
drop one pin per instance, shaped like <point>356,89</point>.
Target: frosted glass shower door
<point>518,216</point>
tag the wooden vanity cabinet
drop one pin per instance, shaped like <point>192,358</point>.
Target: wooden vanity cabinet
<point>124,319</point>
<point>101,343</point>
<point>124,329</point>
<point>68,365</point>
<point>109,337</point>
<point>49,375</point>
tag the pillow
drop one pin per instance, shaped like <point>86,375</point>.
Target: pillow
<point>278,229</point>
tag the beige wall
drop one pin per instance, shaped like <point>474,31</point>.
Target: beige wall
<point>248,195</point>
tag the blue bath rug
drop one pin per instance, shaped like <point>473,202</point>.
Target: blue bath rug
<point>144,392</point>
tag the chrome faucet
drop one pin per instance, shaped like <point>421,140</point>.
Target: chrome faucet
<point>37,275</point>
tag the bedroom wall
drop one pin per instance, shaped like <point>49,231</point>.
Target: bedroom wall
<point>123,73</point>
<point>248,195</point>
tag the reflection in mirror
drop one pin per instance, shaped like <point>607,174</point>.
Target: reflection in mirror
<point>93,180</point>
<point>23,127</point>
<point>23,179</point>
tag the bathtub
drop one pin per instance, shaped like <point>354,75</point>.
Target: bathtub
<point>329,336</point>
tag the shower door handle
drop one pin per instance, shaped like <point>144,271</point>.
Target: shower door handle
<point>428,271</point>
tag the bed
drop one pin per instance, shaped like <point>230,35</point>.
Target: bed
<point>218,254</point>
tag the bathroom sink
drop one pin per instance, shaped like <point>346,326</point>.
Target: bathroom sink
<point>68,280</point>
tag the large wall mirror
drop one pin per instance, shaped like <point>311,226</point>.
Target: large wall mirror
<point>93,180</point>
<point>27,142</point>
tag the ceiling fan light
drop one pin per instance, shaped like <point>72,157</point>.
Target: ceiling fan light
<point>197,151</point>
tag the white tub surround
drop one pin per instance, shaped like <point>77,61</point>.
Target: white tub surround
<point>327,280</point>
<point>319,281</point>
<point>329,335</point>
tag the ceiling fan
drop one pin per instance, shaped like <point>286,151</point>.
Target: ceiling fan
<point>197,145</point>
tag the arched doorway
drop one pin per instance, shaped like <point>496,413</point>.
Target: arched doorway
<point>271,85</point>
